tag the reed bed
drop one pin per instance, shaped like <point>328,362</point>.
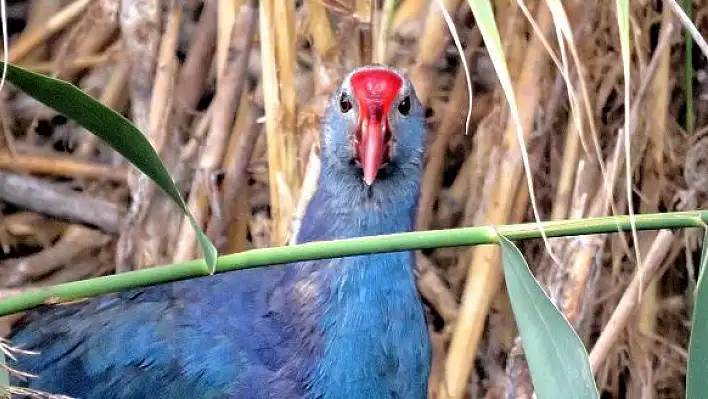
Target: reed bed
<point>230,94</point>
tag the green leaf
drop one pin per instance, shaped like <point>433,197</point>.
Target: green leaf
<point>557,358</point>
<point>110,127</point>
<point>696,386</point>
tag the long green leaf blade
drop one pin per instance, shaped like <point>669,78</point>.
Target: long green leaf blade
<point>483,12</point>
<point>696,386</point>
<point>557,358</point>
<point>112,128</point>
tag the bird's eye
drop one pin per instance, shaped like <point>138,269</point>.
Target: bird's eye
<point>404,107</point>
<point>345,104</point>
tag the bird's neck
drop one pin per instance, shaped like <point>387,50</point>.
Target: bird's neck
<point>343,206</point>
<point>374,336</point>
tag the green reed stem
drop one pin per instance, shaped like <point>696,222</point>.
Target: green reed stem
<point>340,248</point>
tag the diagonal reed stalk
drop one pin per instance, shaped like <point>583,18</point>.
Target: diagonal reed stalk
<point>340,248</point>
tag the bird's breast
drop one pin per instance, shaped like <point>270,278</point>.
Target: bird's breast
<point>375,337</point>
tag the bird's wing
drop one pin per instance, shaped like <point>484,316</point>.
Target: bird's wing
<point>159,344</point>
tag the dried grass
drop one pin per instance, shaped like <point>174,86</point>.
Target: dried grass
<point>236,116</point>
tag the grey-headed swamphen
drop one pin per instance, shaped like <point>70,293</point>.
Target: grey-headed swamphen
<point>338,328</point>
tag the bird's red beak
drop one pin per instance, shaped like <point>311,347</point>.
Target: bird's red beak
<point>372,143</point>
<point>375,90</point>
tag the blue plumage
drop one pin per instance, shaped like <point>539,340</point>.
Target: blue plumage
<point>341,328</point>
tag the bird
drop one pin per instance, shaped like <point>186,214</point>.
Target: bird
<point>351,327</point>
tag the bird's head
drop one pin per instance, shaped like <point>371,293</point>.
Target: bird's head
<point>374,128</point>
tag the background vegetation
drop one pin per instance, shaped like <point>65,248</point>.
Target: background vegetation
<point>230,93</point>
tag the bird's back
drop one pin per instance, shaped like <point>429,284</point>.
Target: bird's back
<point>215,337</point>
